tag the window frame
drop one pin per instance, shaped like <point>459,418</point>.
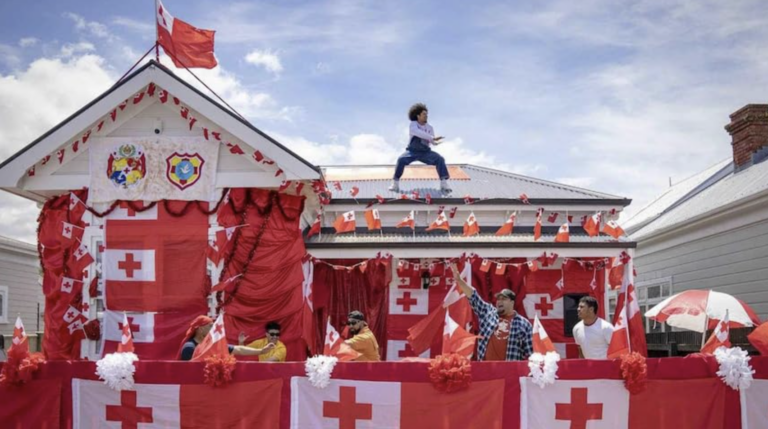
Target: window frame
<point>5,292</point>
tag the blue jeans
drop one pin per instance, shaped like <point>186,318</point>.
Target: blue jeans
<point>415,153</point>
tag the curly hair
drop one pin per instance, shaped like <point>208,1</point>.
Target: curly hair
<point>416,110</point>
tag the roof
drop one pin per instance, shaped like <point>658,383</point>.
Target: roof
<point>522,238</point>
<point>18,246</point>
<point>478,182</point>
<point>673,196</point>
<point>724,189</point>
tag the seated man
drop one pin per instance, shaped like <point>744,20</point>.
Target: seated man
<point>363,340</point>
<point>197,332</point>
<point>274,354</point>
<point>422,136</point>
<point>592,333</point>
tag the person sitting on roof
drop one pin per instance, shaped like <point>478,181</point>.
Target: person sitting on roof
<point>422,137</point>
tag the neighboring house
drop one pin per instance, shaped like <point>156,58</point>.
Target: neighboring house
<point>711,230</point>
<point>20,291</point>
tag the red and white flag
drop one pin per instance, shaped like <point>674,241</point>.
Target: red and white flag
<point>456,339</point>
<point>215,343</point>
<point>224,238</point>
<point>334,345</point>
<point>126,339</point>
<point>408,300</point>
<point>76,208</point>
<point>155,336</point>
<point>552,218</point>
<point>542,305</point>
<point>213,253</point>
<point>348,404</point>
<point>129,265</point>
<point>440,223</point>
<point>471,226</point>
<point>125,211</point>
<point>19,341</point>
<point>592,226</point>
<point>537,226</point>
<point>563,234</point>
<point>82,258</point>
<point>187,46</point>
<point>620,339</point>
<point>315,228</point>
<point>628,297</point>
<point>227,285</point>
<point>408,221</point>
<point>345,223</point>
<point>719,337</point>
<point>593,404</point>
<point>373,219</point>
<point>541,341</point>
<point>508,226</point>
<point>95,405</point>
<point>68,285</point>
<point>71,232</point>
<point>613,229</point>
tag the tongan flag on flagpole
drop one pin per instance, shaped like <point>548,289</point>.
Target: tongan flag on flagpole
<point>541,341</point>
<point>155,336</point>
<point>456,339</point>
<point>126,339</point>
<point>187,46</point>
<point>215,343</point>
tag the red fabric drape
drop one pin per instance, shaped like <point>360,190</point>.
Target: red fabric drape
<point>270,286</point>
<point>337,292</point>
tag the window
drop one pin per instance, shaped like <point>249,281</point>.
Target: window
<point>3,304</point>
<point>650,293</point>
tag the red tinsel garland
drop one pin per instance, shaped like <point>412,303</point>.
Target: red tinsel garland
<point>450,373</point>
<point>634,371</point>
<point>218,370</point>
<point>19,369</point>
<point>92,329</point>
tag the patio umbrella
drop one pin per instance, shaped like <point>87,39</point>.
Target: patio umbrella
<point>696,309</point>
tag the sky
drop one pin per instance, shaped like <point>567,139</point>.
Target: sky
<point>611,95</point>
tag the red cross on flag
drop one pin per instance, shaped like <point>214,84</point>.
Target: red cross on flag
<point>577,404</point>
<point>471,226</point>
<point>628,297</point>
<point>541,341</point>
<point>19,341</point>
<point>542,305</point>
<point>215,343</point>
<point>345,223</point>
<point>408,301</point>
<point>125,211</point>
<point>187,46</point>
<point>172,405</point>
<point>71,233</point>
<point>719,337</point>
<point>68,285</point>
<point>334,345</point>
<point>400,349</point>
<point>76,208</point>
<point>408,221</point>
<point>613,229</point>
<point>440,223</point>
<point>563,234</point>
<point>129,265</point>
<point>155,336</point>
<point>81,258</point>
<point>509,225</point>
<point>373,219</point>
<point>350,404</point>
<point>592,226</point>
<point>126,339</point>
<point>620,339</point>
<point>456,339</point>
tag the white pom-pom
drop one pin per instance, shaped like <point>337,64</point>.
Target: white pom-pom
<point>543,368</point>
<point>734,367</point>
<point>116,369</point>
<point>319,369</point>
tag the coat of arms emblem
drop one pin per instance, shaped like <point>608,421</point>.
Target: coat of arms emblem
<point>184,170</point>
<point>127,166</point>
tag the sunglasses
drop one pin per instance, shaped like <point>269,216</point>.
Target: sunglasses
<point>273,334</point>
<point>353,322</point>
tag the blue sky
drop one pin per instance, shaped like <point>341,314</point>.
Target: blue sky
<point>615,96</point>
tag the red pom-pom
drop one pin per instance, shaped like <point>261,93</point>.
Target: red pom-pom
<point>92,329</point>
<point>450,373</point>
<point>634,371</point>
<point>218,370</point>
<point>19,369</point>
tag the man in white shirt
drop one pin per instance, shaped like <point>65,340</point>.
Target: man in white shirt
<point>592,334</point>
<point>422,137</point>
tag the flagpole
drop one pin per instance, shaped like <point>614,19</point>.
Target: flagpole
<point>157,35</point>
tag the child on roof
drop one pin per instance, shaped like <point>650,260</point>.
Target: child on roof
<point>422,137</point>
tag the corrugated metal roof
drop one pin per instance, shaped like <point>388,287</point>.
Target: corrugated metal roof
<point>727,191</point>
<point>671,196</point>
<point>483,183</point>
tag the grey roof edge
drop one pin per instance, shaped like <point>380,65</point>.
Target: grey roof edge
<point>534,202</point>
<point>153,63</point>
<point>480,244</point>
<point>18,246</point>
<point>717,176</point>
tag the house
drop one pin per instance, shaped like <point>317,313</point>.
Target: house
<point>20,292</point>
<point>710,231</point>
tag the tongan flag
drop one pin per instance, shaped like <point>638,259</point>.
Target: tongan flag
<point>187,46</point>
<point>155,336</point>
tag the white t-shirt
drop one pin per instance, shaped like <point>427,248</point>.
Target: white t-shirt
<point>593,339</point>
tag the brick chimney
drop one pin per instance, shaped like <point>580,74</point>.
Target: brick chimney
<point>749,133</point>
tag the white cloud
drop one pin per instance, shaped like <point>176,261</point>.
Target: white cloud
<point>9,55</point>
<point>70,49</point>
<point>91,27</point>
<point>26,42</point>
<point>267,59</point>
<point>142,27</point>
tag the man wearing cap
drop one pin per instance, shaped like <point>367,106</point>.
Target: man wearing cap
<point>198,330</point>
<point>363,340</point>
<point>504,334</point>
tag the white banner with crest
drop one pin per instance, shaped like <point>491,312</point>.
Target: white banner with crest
<point>153,169</point>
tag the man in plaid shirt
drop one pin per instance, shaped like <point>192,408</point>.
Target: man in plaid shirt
<point>504,334</point>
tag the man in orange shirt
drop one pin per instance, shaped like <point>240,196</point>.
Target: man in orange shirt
<point>363,340</point>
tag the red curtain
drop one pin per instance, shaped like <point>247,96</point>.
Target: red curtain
<point>267,251</point>
<point>337,292</point>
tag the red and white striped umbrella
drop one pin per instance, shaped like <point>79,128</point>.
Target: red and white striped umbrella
<point>693,308</point>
